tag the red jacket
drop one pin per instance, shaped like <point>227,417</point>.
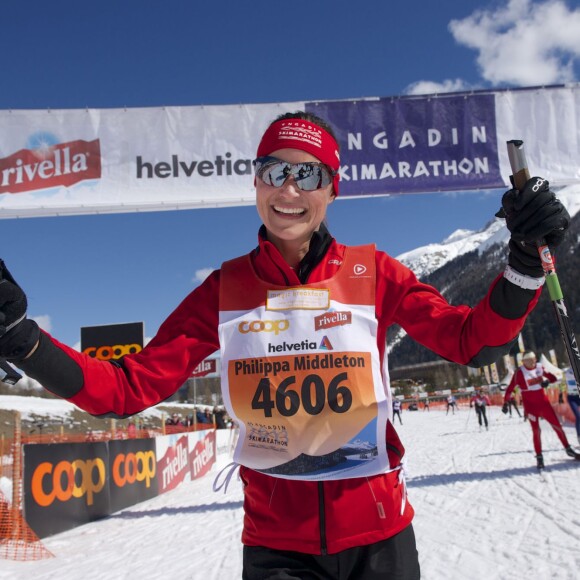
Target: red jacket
<point>480,400</point>
<point>311,517</point>
<point>518,380</point>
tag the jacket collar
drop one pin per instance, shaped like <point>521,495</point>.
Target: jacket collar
<point>319,244</point>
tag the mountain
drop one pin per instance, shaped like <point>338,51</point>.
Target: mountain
<point>463,266</point>
<point>427,259</point>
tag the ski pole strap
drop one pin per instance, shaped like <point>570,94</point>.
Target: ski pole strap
<point>523,281</point>
<point>403,483</point>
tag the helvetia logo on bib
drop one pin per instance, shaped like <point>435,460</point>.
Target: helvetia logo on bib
<point>325,344</point>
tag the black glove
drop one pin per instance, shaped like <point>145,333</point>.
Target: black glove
<point>18,334</point>
<point>545,383</point>
<point>532,214</point>
<point>504,408</point>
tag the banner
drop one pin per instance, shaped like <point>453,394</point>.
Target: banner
<point>207,367</point>
<point>172,461</point>
<point>487,374</point>
<point>494,373</point>
<point>112,341</point>
<point>184,457</point>
<point>65,485</point>
<point>133,472</point>
<point>81,161</point>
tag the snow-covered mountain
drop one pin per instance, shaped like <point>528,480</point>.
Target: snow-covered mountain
<point>426,259</point>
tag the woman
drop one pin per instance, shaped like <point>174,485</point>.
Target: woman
<point>481,401</point>
<point>532,378</point>
<point>301,322</point>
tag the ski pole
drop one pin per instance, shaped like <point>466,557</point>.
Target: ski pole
<point>467,419</point>
<point>520,175</point>
<point>8,374</point>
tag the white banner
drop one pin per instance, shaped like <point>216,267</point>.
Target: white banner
<point>65,162</point>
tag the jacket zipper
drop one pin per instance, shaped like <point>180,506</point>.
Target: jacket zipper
<point>322,519</point>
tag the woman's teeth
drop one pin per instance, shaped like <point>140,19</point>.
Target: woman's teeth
<point>290,211</point>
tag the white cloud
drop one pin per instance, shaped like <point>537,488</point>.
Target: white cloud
<point>434,88</point>
<point>523,43</point>
<point>43,321</point>
<point>201,275</point>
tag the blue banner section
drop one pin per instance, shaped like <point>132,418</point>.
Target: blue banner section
<point>415,144</point>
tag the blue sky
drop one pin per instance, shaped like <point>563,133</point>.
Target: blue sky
<point>101,269</point>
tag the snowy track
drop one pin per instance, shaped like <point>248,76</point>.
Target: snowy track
<point>483,512</point>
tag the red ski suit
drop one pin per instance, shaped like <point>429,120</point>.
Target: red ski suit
<point>305,516</point>
<point>536,403</point>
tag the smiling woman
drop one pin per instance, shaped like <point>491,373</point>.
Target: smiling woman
<point>301,323</point>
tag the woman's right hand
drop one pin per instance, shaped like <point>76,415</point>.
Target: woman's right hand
<point>18,334</point>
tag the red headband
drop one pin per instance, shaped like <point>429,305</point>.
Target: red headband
<point>303,135</point>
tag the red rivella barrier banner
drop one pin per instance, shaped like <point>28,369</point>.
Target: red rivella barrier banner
<point>184,457</point>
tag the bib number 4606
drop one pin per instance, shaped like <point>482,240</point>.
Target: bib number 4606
<point>312,396</point>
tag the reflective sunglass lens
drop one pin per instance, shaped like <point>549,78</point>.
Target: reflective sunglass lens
<point>308,176</point>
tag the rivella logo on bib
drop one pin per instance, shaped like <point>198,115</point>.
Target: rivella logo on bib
<point>334,318</point>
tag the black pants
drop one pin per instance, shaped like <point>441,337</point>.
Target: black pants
<point>393,559</point>
<point>481,414</point>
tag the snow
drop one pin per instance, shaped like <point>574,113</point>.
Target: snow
<point>482,512</point>
<point>426,259</point>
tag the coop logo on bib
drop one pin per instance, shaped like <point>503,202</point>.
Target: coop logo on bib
<point>275,326</point>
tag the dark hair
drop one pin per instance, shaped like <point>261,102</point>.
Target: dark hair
<point>307,117</point>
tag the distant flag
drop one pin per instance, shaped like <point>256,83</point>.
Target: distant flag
<point>486,373</point>
<point>494,373</point>
<point>508,362</point>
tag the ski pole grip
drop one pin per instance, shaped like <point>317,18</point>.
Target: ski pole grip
<point>521,174</point>
<point>518,163</point>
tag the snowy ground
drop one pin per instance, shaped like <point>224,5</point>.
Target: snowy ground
<point>483,512</point>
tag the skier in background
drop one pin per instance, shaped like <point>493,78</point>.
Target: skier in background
<point>480,401</point>
<point>397,408</point>
<point>532,379</point>
<point>512,403</point>
<point>451,404</point>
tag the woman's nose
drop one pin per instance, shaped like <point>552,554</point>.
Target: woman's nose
<point>289,186</point>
